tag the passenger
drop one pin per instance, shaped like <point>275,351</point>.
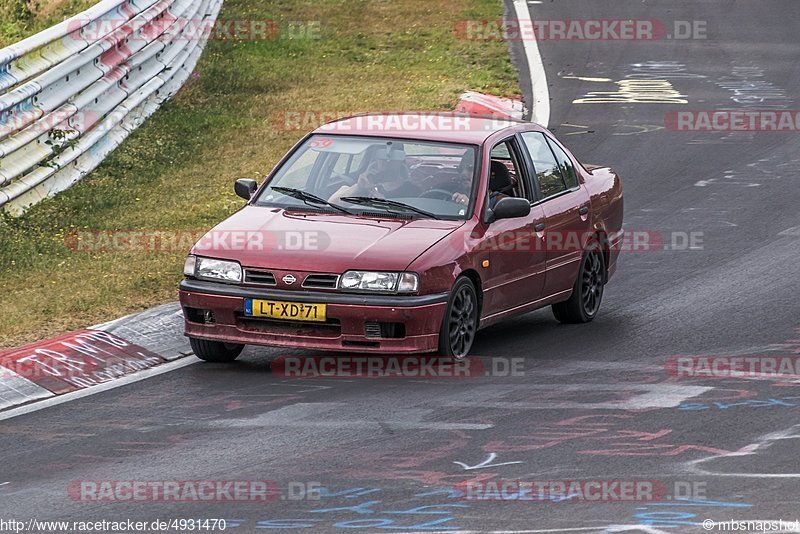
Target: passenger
<point>463,182</point>
<point>499,182</point>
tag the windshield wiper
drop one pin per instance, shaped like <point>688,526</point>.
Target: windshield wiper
<point>385,202</point>
<point>308,198</point>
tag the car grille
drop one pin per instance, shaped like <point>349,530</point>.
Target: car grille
<point>264,278</point>
<point>374,329</point>
<point>321,281</point>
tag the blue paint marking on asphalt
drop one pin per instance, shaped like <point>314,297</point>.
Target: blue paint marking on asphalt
<point>675,519</point>
<point>752,403</point>
<point>286,523</point>
<point>362,508</point>
<point>389,524</point>
<point>372,508</point>
<point>450,493</point>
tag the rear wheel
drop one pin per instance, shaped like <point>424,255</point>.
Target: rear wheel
<point>215,351</point>
<point>587,293</point>
<point>460,322</point>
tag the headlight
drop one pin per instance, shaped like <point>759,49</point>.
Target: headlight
<point>377,281</point>
<point>211,269</point>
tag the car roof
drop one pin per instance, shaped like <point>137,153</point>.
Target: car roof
<point>431,126</point>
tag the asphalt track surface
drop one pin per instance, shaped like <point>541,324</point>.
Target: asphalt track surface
<point>594,401</point>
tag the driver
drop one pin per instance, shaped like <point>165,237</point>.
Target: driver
<point>385,177</point>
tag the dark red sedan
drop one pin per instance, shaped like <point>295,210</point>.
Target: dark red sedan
<point>404,234</point>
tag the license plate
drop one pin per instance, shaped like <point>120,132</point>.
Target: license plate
<point>292,311</point>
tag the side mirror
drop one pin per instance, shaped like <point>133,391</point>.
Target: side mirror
<point>511,208</point>
<point>245,188</point>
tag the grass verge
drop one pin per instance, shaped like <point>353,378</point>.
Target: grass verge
<point>176,172</point>
<point>23,18</point>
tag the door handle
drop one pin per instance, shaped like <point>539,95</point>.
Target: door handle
<point>539,227</point>
<point>584,210</point>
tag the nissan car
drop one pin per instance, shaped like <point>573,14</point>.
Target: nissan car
<point>371,237</point>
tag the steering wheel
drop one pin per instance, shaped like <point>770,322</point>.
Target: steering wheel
<point>440,194</point>
<point>337,181</point>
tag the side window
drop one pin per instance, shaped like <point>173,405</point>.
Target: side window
<point>348,163</point>
<point>500,151</point>
<point>356,160</point>
<point>343,162</point>
<point>567,168</point>
<point>507,171</point>
<point>547,172</point>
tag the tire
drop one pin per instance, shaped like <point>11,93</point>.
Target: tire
<point>460,321</point>
<point>587,293</point>
<point>215,351</point>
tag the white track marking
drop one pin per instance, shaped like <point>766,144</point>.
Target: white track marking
<point>794,231</point>
<point>587,79</point>
<point>486,463</point>
<point>324,415</point>
<point>642,396</point>
<point>113,384</point>
<point>763,443</point>
<point>541,94</point>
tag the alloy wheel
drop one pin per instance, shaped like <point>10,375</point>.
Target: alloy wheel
<point>463,321</point>
<point>592,283</point>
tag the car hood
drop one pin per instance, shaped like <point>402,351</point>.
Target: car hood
<point>273,238</point>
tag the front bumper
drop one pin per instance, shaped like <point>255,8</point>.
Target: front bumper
<point>344,331</point>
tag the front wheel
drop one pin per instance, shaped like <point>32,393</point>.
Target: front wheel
<point>215,351</point>
<point>587,293</point>
<point>460,322</point>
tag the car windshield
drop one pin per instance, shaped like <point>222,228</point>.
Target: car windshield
<point>420,178</point>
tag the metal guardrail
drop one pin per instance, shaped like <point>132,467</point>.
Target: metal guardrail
<point>72,93</point>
